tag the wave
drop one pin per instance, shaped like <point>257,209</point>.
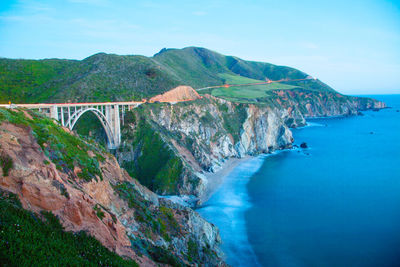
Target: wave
<point>226,208</point>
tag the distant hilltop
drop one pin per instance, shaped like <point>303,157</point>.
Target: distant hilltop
<point>109,77</point>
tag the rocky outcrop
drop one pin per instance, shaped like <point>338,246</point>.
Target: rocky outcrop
<point>180,93</point>
<point>206,132</point>
<point>322,104</point>
<point>122,214</point>
<point>203,134</point>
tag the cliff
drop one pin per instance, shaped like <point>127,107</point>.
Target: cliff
<point>181,142</point>
<point>322,104</point>
<point>51,170</point>
<point>171,147</point>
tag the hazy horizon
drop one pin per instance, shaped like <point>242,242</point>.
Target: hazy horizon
<point>351,46</point>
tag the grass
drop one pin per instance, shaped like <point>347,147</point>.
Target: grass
<point>29,239</point>
<point>109,77</point>
<point>245,94</point>
<point>65,150</point>
<point>249,93</point>
<point>159,221</point>
<point>236,79</point>
<point>156,166</point>
<point>90,126</point>
<point>6,163</point>
<point>233,122</point>
<point>100,214</point>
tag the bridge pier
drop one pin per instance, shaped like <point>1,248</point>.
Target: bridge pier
<point>112,116</point>
<point>54,112</point>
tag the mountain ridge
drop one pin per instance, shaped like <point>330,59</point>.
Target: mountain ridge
<point>111,77</point>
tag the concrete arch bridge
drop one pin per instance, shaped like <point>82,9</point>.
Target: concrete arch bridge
<point>110,114</point>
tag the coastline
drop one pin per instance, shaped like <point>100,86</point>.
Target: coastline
<point>226,206</point>
<point>216,179</point>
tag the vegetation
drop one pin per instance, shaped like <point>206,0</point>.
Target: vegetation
<point>100,214</point>
<point>236,79</point>
<point>192,249</point>
<point>65,150</point>
<point>159,221</point>
<point>108,77</point>
<point>233,122</point>
<point>249,93</point>
<point>90,126</point>
<point>6,163</point>
<point>158,254</point>
<point>156,165</point>
<point>29,239</point>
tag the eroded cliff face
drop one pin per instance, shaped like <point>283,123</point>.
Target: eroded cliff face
<point>202,134</point>
<point>322,104</point>
<point>45,167</point>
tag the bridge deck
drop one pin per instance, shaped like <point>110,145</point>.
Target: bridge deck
<point>48,105</point>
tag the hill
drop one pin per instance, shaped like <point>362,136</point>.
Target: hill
<point>109,77</point>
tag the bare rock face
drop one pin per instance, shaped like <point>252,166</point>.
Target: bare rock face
<point>115,209</point>
<point>310,104</point>
<point>206,132</point>
<point>180,93</point>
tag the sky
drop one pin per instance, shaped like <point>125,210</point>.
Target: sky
<point>352,45</point>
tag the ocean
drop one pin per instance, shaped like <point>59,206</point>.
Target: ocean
<point>335,203</point>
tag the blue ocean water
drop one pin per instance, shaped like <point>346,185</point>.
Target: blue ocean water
<point>336,203</point>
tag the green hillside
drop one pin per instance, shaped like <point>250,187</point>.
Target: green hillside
<point>109,77</point>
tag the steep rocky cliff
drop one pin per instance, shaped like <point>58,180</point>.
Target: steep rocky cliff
<point>52,170</point>
<point>199,136</point>
<point>171,147</point>
<point>322,104</point>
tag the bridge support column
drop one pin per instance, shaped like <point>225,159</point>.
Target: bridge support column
<point>112,116</point>
<point>62,116</point>
<point>117,126</point>
<point>54,112</point>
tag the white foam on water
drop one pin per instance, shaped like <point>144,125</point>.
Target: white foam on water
<point>315,124</point>
<point>226,208</point>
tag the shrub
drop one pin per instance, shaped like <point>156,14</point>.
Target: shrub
<point>63,149</point>
<point>29,239</point>
<point>6,163</point>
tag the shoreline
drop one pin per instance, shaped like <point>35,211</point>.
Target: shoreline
<point>216,179</point>
<point>225,203</point>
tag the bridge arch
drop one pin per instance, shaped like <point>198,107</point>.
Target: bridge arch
<point>110,114</point>
<point>71,122</point>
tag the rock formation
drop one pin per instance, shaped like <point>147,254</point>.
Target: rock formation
<point>202,134</point>
<point>180,93</point>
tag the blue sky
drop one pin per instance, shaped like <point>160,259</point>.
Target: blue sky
<point>354,46</point>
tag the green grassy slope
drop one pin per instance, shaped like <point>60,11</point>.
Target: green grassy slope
<point>206,68</point>
<point>26,80</point>
<point>101,77</point>
<point>29,239</point>
<point>239,93</point>
<point>109,77</point>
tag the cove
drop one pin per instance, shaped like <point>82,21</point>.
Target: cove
<point>336,203</point>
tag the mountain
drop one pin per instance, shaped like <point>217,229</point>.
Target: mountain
<point>109,77</point>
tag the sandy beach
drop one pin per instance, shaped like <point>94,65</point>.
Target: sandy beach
<point>215,179</point>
